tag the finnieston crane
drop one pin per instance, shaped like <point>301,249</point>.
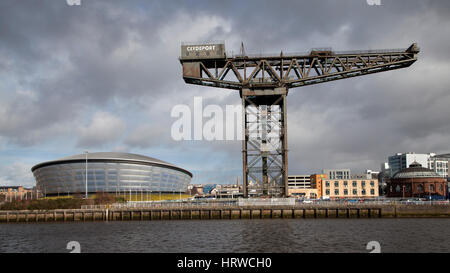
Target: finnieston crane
<point>263,82</point>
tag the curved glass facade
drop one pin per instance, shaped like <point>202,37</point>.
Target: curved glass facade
<point>68,178</point>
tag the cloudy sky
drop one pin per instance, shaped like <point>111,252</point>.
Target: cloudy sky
<point>104,76</point>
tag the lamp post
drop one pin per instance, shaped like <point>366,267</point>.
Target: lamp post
<point>86,192</point>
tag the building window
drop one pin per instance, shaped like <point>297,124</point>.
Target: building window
<point>345,183</point>
<point>431,188</point>
<point>327,192</point>
<point>420,188</point>
<point>327,184</point>
<point>363,192</point>
<point>336,192</point>
<point>345,192</point>
<point>354,183</point>
<point>372,192</point>
<point>355,192</point>
<point>372,183</point>
<point>336,183</point>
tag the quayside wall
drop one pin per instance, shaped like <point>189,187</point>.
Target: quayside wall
<point>235,212</point>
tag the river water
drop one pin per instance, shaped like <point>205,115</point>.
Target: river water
<point>236,236</point>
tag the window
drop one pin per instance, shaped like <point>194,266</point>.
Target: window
<point>354,184</point>
<point>363,183</point>
<point>336,183</point>
<point>345,192</point>
<point>372,192</point>
<point>355,192</point>
<point>363,192</point>
<point>345,183</point>
<point>327,184</point>
<point>327,192</point>
<point>372,183</point>
<point>336,192</point>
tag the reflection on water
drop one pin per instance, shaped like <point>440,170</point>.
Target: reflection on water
<point>267,235</point>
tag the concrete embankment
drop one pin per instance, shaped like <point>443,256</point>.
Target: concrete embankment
<point>205,213</point>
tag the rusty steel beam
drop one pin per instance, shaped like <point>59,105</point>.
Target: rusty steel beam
<point>294,70</point>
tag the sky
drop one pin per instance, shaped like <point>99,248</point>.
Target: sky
<point>105,76</point>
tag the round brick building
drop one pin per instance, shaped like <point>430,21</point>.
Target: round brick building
<point>417,181</point>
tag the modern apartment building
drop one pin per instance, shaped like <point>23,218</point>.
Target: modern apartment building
<point>337,173</point>
<point>437,163</point>
<point>350,188</point>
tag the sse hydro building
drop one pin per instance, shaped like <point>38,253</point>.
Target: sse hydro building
<point>109,173</point>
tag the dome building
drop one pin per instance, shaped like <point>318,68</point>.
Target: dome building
<point>417,181</point>
<point>109,172</point>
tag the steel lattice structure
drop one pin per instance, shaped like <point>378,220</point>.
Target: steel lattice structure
<point>264,81</point>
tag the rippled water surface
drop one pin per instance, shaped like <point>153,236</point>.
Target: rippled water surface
<point>267,235</point>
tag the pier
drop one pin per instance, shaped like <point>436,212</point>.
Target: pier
<point>230,212</point>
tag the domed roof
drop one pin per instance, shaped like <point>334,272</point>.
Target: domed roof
<point>415,170</point>
<point>111,157</point>
<point>443,156</point>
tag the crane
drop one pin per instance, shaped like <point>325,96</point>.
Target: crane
<point>263,82</point>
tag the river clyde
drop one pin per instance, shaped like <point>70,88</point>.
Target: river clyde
<point>236,236</point>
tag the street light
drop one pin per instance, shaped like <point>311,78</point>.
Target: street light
<point>86,192</point>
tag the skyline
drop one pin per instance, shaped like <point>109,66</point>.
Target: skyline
<point>104,76</point>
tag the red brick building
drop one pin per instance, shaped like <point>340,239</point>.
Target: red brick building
<point>416,181</point>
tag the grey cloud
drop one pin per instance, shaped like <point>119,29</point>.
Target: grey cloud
<point>120,57</point>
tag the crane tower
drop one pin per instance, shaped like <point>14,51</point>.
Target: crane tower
<point>263,82</point>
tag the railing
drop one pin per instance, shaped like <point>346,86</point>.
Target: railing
<point>234,203</point>
<point>292,54</point>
